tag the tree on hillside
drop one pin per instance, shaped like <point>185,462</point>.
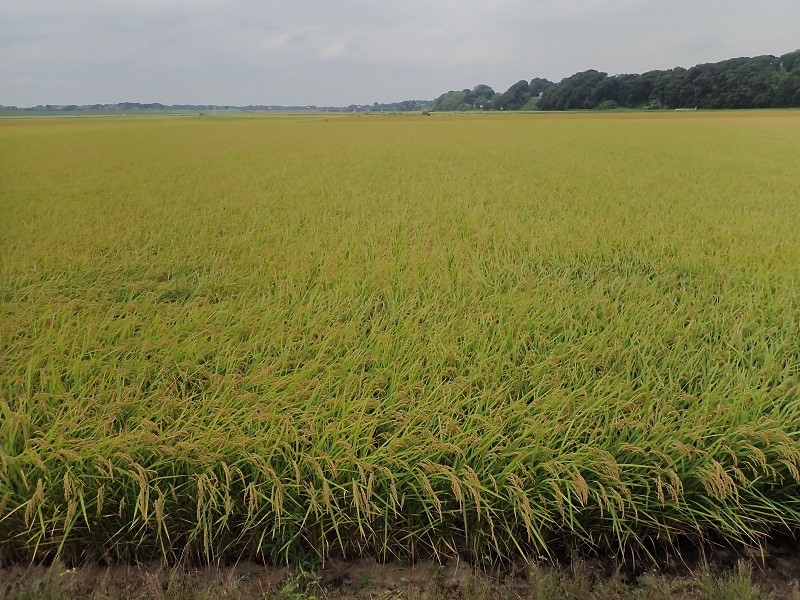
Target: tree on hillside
<point>483,90</point>
<point>538,85</point>
<point>480,96</point>
<point>758,82</point>
<point>516,96</point>
<point>450,100</point>
<point>633,90</point>
<point>575,92</point>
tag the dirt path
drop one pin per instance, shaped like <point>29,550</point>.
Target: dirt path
<point>773,574</point>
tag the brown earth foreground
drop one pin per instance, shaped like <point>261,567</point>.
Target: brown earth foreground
<point>723,574</point>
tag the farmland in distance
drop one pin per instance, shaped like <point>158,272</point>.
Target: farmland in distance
<point>302,337</point>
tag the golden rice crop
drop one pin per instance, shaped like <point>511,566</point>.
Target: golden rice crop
<point>298,337</point>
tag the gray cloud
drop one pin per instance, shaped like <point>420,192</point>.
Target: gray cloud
<point>356,51</point>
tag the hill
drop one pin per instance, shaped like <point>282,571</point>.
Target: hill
<point>758,82</point>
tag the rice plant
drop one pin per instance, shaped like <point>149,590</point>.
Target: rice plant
<point>300,337</point>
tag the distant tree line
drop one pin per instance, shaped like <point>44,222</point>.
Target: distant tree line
<point>403,106</point>
<point>760,82</point>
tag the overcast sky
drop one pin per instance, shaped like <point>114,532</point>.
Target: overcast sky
<point>340,52</point>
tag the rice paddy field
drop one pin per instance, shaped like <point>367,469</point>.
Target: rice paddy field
<point>299,338</point>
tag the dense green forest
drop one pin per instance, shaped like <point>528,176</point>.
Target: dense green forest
<point>760,82</point>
